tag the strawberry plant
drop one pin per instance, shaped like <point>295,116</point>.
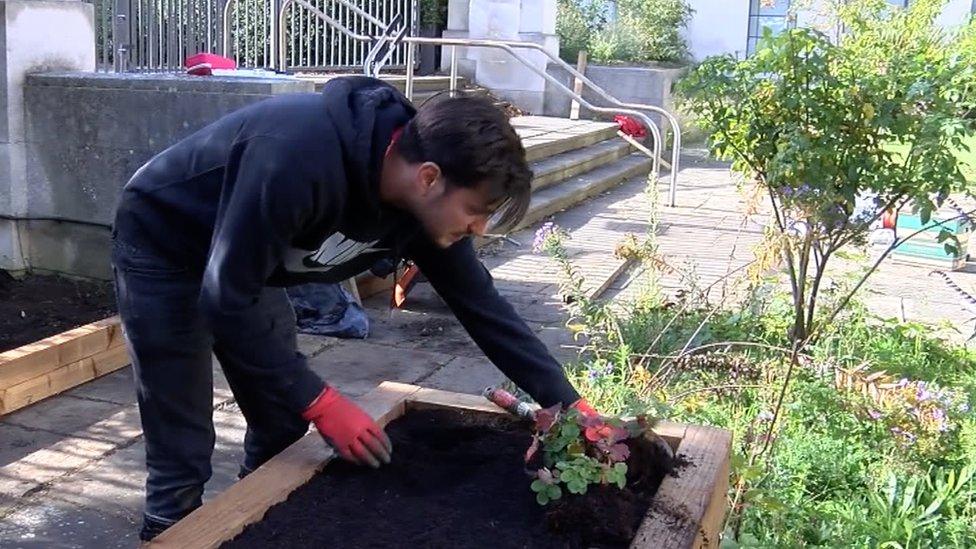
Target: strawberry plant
<point>574,450</point>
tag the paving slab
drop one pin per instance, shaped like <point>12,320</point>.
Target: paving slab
<point>17,442</point>
<point>52,523</point>
<point>356,367</point>
<point>409,329</point>
<point>116,484</point>
<point>48,464</point>
<point>559,340</point>
<point>65,415</point>
<point>311,344</point>
<point>117,387</point>
<point>465,375</point>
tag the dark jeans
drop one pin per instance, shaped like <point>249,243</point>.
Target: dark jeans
<point>171,348</point>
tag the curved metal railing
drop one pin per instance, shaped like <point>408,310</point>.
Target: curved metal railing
<point>391,37</point>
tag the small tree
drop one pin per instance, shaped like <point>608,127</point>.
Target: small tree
<point>838,133</point>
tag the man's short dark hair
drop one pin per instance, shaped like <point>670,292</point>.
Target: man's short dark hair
<point>474,144</point>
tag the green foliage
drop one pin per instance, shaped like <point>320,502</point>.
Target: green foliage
<point>834,446</point>
<point>433,12</point>
<point>811,122</point>
<point>579,450</point>
<point>644,30</point>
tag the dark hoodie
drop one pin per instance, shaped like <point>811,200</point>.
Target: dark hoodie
<point>286,191</point>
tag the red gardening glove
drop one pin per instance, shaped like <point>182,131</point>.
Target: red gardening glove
<point>584,408</point>
<point>348,429</point>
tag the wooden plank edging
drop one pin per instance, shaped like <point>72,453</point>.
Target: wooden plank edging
<point>247,500</point>
<point>54,364</point>
<point>688,510</point>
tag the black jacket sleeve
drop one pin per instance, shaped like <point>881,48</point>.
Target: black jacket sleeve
<point>265,201</point>
<point>468,289</point>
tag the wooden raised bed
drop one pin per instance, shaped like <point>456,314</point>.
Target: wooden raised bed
<point>54,364</point>
<point>687,511</point>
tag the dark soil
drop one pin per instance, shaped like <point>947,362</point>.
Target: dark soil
<point>457,480</point>
<point>41,306</point>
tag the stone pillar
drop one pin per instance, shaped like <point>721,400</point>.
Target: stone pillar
<point>508,20</point>
<point>35,36</point>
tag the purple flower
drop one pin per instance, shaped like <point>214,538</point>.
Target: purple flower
<point>786,191</point>
<point>874,414</point>
<point>545,231</point>
<point>902,383</point>
<point>922,394</point>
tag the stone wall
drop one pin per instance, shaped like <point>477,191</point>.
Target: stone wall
<point>505,20</point>
<point>87,133</point>
<point>647,85</point>
<point>35,35</point>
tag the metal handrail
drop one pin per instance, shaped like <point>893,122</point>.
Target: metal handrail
<point>510,47</point>
<point>633,109</point>
<point>390,38</point>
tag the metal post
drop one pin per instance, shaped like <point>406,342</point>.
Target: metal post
<point>282,35</point>
<point>120,34</point>
<point>453,86</point>
<point>409,85</point>
<point>272,61</point>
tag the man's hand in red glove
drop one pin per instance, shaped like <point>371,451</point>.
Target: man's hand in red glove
<point>584,408</point>
<point>348,429</point>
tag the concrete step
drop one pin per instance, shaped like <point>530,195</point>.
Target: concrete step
<point>577,189</point>
<point>560,167</point>
<point>419,97</point>
<point>544,136</point>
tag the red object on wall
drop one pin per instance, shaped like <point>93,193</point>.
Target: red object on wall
<point>630,126</point>
<point>203,64</point>
<point>889,219</point>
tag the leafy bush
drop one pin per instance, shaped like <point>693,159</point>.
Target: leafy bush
<point>812,122</point>
<point>644,30</point>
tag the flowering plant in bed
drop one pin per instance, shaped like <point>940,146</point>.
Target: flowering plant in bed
<point>571,451</point>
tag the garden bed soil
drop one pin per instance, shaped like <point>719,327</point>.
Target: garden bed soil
<point>40,306</point>
<point>457,479</point>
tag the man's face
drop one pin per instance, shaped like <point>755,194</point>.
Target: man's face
<point>449,213</point>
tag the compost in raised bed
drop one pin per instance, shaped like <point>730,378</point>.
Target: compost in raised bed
<point>40,306</point>
<point>457,479</point>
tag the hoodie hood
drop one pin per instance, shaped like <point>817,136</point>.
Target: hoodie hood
<point>364,113</point>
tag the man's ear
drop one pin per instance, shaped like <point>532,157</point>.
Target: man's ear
<point>428,175</point>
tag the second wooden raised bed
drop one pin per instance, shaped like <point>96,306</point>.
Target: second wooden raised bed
<point>54,364</point>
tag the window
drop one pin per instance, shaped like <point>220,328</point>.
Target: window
<point>766,14</point>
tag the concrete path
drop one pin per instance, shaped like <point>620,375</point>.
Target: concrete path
<point>71,468</point>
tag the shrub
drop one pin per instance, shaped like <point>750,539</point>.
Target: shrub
<point>643,30</point>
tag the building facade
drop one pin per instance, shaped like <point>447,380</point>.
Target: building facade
<point>735,26</point>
